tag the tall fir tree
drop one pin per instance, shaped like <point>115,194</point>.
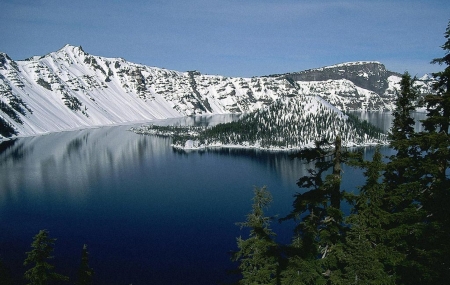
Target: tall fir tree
<point>418,185</point>
<point>403,189</point>
<point>313,255</point>
<point>434,142</point>
<point>41,272</point>
<point>403,123</point>
<point>258,255</point>
<point>85,272</point>
<point>365,253</point>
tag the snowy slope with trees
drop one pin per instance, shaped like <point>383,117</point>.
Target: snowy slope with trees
<point>288,123</point>
<point>71,89</point>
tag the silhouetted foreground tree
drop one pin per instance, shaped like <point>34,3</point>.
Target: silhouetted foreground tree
<point>365,256</point>
<point>41,272</point>
<point>313,254</point>
<point>85,272</point>
<point>257,255</point>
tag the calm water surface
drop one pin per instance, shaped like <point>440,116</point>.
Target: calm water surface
<point>149,214</point>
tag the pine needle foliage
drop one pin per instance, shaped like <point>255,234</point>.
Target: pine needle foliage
<point>41,272</point>
<point>365,255</point>
<point>318,237</point>
<point>258,254</point>
<point>85,272</point>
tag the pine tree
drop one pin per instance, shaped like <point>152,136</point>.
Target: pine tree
<point>403,124</point>
<point>313,255</point>
<point>403,189</point>
<point>85,272</point>
<point>418,186</point>
<point>258,254</point>
<point>434,143</point>
<point>41,272</point>
<point>365,255</point>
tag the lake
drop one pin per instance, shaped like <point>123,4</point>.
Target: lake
<point>148,213</point>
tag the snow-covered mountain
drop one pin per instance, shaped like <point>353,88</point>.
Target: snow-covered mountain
<point>70,89</point>
<point>363,85</point>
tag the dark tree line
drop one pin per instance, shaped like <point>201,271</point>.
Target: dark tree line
<point>398,231</point>
<point>40,270</point>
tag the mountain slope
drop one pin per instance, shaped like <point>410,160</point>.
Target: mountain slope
<point>365,85</point>
<point>70,89</point>
<point>370,75</point>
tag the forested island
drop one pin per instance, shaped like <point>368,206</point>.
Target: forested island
<point>289,123</point>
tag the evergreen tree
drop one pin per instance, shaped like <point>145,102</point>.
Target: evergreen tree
<point>403,124</point>
<point>403,189</point>
<point>258,255</point>
<point>434,143</point>
<point>42,272</point>
<point>418,186</point>
<point>85,272</point>
<point>365,253</point>
<point>313,255</point>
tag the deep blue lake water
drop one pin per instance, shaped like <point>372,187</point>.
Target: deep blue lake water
<point>149,214</point>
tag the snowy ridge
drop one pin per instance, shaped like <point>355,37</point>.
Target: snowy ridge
<point>344,95</point>
<point>345,64</point>
<point>71,89</point>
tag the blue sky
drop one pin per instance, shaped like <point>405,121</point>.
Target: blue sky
<point>235,37</point>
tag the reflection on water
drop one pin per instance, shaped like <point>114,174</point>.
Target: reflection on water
<point>69,161</point>
<point>383,120</point>
<point>109,187</point>
<point>145,210</point>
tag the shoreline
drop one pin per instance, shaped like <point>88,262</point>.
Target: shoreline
<point>268,149</point>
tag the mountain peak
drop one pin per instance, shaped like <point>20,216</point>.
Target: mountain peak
<point>71,49</point>
<point>426,77</point>
<point>5,59</point>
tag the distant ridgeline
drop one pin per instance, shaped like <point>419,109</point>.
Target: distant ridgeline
<point>72,89</point>
<point>289,123</point>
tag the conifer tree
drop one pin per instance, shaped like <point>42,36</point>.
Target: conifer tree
<point>313,256</point>
<point>42,271</point>
<point>85,272</point>
<point>364,254</point>
<point>258,254</point>
<point>403,124</point>
<point>417,183</point>
<point>403,189</point>
<point>434,143</point>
